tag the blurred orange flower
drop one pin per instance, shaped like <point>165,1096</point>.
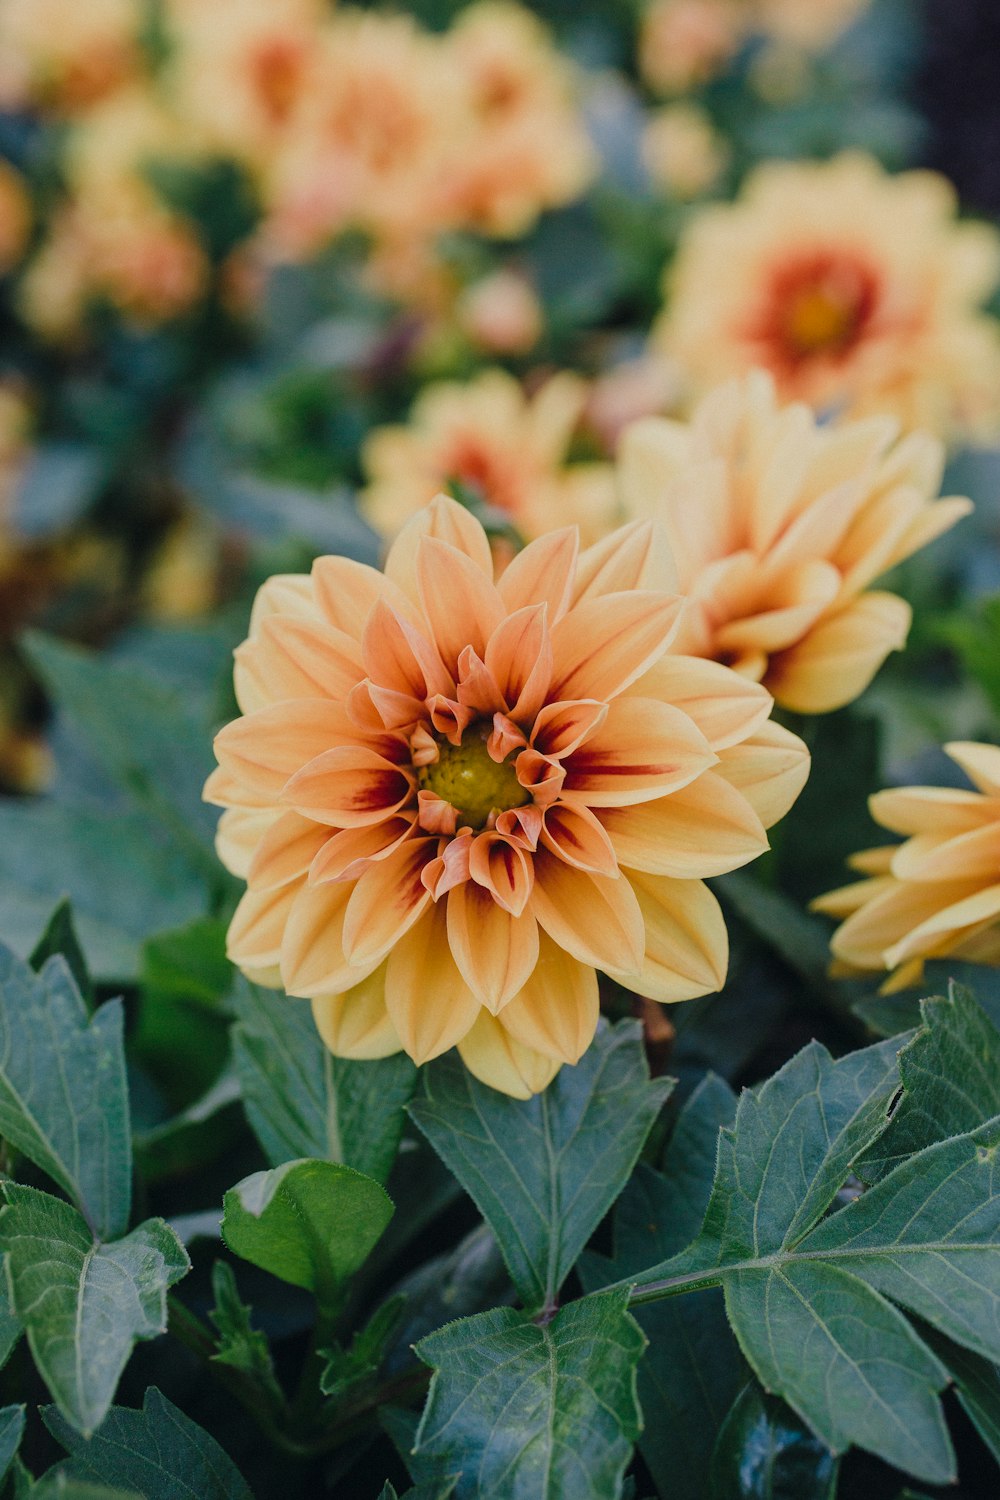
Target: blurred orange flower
<point>935,895</point>
<point>779,526</point>
<point>505,449</point>
<point>454,799</point>
<point>15,217</point>
<point>67,55</point>
<point>856,289</point>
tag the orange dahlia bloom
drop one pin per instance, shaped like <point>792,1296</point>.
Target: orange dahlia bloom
<point>454,799</point>
<point>856,289</point>
<point>937,894</point>
<point>505,448</point>
<point>779,526</point>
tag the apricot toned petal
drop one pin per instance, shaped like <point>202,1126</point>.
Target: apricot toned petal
<point>636,556</point>
<point>643,749</point>
<point>941,856</point>
<point>556,1011</point>
<point>495,951</point>
<point>929,809</point>
<point>931,522</point>
<point>982,906</point>
<point>561,727</point>
<point>283,594</point>
<point>888,917</point>
<point>346,592</point>
<point>794,609</point>
<point>981,763</point>
<point>286,851</point>
<point>542,573</point>
<point>345,855</point>
<point>840,656</point>
<point>595,919</point>
<point>429,1003</point>
<point>357,1024</point>
<point>769,768</point>
<point>461,606</point>
<point>846,899</point>
<point>313,961</point>
<point>724,705</point>
<point>257,929</point>
<point>687,946</point>
<point>499,1060</point>
<point>503,870</point>
<point>265,748</point>
<point>223,789</point>
<point>389,897</point>
<point>519,659</point>
<point>704,829</point>
<point>239,831</point>
<point>291,658</point>
<point>604,644</point>
<point>399,657</point>
<point>449,522</point>
<point>348,787</point>
<point>579,837</point>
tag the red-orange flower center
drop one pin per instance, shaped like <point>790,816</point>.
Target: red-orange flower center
<point>821,305</point>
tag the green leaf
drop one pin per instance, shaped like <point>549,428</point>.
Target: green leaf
<point>60,937</point>
<point>84,1304</point>
<point>303,1102</point>
<point>763,1453</point>
<point>807,1299</point>
<point>346,1369</point>
<point>143,736</point>
<point>541,1410</point>
<point>63,1092</point>
<point>241,1346</point>
<point>182,1033</point>
<point>58,1485</point>
<point>951,1080</point>
<point>977,640</point>
<point>11,1326</point>
<point>312,1223</point>
<point>692,1369</point>
<point>158,1451</point>
<point>123,878</point>
<point>544,1172</point>
<point>977,1386</point>
<point>11,1433</point>
<point>433,1490</point>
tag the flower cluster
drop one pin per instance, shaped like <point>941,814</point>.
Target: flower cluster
<point>455,799</point>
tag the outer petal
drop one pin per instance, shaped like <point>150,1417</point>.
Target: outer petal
<point>494,950</point>
<point>450,522</point>
<point>704,829</point>
<point>867,936</point>
<point>499,1060</point>
<point>265,748</point>
<point>295,658</point>
<point>542,573</point>
<point>769,769</point>
<point>936,934</point>
<point>981,763</point>
<point>462,607</point>
<point>687,946</point>
<point>239,831</point>
<point>604,644</point>
<point>428,1001</point>
<point>636,556</point>
<point>556,1011</point>
<point>347,591</point>
<point>286,851</point>
<point>256,932</point>
<point>941,857</point>
<point>840,656</point>
<point>283,594</point>
<point>723,704</point>
<point>644,749</point>
<point>929,809</point>
<point>389,897</point>
<point>595,919</point>
<point>356,1024</point>
<point>348,787</point>
<point>313,961</point>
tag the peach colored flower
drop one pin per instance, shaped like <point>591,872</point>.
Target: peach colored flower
<point>454,799</point>
<point>67,55</point>
<point>856,289</point>
<point>935,895</point>
<point>501,314</point>
<point>506,449</point>
<point>779,527</point>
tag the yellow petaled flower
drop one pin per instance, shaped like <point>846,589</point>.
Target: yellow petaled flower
<point>856,289</point>
<point>779,527</point>
<point>504,448</point>
<point>67,55</point>
<point>455,799</point>
<point>935,895</point>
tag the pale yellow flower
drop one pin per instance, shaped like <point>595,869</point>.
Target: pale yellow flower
<point>504,448</point>
<point>683,152</point>
<point>455,798</point>
<point>858,290</point>
<point>779,527</point>
<point>937,894</point>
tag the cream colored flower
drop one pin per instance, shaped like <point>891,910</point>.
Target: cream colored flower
<point>683,152</point>
<point>937,894</point>
<point>504,448</point>
<point>455,798</point>
<point>67,54</point>
<point>779,527</point>
<point>855,288</point>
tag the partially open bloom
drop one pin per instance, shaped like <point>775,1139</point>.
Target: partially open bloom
<point>505,449</point>
<point>454,799</point>
<point>856,289</point>
<point>779,527</point>
<point>937,894</point>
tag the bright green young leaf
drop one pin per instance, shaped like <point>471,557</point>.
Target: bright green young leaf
<point>302,1102</point>
<point>60,937</point>
<point>313,1223</point>
<point>158,1452</point>
<point>84,1304</point>
<point>764,1453</point>
<point>544,1172</point>
<point>241,1346</point>
<point>522,1409</point>
<point>346,1369</point>
<point>692,1368</point>
<point>63,1092</point>
<point>951,1080</point>
<point>11,1433</point>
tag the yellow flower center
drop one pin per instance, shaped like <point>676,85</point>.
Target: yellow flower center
<point>468,777</point>
<point>818,319</point>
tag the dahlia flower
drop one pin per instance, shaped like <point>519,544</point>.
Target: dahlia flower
<point>455,799</point>
<point>506,449</point>
<point>779,526</point>
<point>856,289</point>
<point>935,895</point>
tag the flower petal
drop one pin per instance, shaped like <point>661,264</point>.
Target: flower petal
<point>556,1011</point>
<point>942,856</point>
<point>347,591</point>
<point>542,573</point>
<point>499,1060</point>
<point>345,855</point>
<point>461,606</point>
<point>237,834</point>
<point>561,727</point>
<point>929,809</point>
<point>604,644</point>
<point>313,960</point>
<point>723,704</point>
<point>704,829</point>
<point>643,749</point>
<point>494,950</point>
<point>348,787</point>
<point>295,658</point>
<point>450,522</point>
<point>595,919</point>
<point>687,946</point>
<point>981,763</point>
<point>769,769</point>
<point>357,1024</point>
<point>503,869</point>
<point>519,658</point>
<point>636,556</point>
<point>839,657</point>
<point>386,901</point>
<point>256,932</point>
<point>263,749</point>
<point>578,837</point>
<point>286,851</point>
<point>428,1001</point>
<point>399,657</point>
